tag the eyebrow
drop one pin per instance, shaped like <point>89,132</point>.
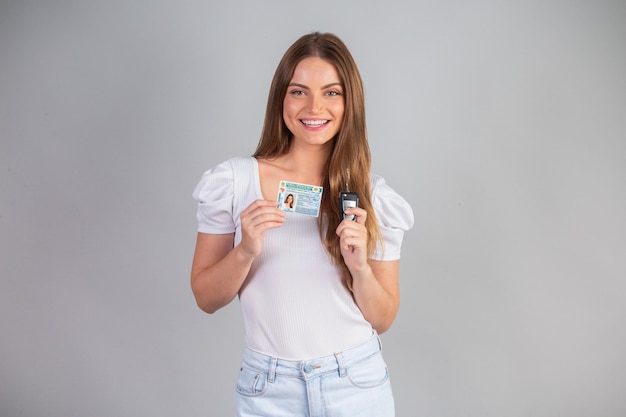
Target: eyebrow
<point>307,88</point>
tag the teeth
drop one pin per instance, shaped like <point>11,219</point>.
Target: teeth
<point>314,122</point>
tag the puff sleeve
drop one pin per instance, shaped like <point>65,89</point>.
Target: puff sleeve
<point>214,194</point>
<point>395,216</point>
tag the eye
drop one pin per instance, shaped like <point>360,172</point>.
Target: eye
<point>333,93</point>
<point>296,92</point>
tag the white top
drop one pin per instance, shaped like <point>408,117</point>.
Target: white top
<point>294,301</point>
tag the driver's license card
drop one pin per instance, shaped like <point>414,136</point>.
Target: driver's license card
<point>299,198</point>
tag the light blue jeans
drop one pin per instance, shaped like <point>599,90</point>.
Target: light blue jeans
<point>351,383</point>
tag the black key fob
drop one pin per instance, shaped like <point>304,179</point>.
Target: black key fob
<point>347,199</point>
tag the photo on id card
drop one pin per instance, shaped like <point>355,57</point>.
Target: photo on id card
<point>294,197</point>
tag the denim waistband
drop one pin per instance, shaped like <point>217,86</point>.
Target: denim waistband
<point>312,367</point>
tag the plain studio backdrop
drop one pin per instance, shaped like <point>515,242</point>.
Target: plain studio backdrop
<point>502,123</point>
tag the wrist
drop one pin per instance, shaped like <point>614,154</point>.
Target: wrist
<point>243,256</point>
<point>361,271</point>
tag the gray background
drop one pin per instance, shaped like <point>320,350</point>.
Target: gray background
<point>502,123</point>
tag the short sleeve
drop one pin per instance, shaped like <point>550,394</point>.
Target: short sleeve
<point>395,216</point>
<point>214,194</point>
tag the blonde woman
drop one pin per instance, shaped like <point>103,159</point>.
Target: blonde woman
<point>315,292</point>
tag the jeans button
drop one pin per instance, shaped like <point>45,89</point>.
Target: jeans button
<point>308,368</point>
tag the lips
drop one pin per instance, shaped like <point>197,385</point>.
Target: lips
<point>314,122</point>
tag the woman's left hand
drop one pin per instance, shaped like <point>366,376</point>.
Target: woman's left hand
<point>374,283</point>
<point>353,239</point>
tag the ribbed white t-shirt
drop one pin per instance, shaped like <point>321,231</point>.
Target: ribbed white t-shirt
<point>294,301</point>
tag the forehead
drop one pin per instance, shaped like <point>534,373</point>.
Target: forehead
<point>315,70</point>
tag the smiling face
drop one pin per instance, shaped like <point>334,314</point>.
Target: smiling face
<point>313,107</point>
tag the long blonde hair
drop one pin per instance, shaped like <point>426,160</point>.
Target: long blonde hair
<point>350,153</point>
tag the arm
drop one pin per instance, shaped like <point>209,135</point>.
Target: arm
<point>219,270</point>
<point>375,284</point>
<point>377,293</point>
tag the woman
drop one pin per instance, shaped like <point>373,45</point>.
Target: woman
<point>288,203</point>
<point>311,335</point>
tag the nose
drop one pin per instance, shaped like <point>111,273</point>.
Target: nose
<point>316,103</point>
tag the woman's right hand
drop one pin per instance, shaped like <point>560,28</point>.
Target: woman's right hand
<point>256,219</point>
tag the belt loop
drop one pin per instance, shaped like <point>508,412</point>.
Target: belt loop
<point>342,368</point>
<point>272,373</point>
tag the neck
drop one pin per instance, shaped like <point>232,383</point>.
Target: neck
<point>306,164</point>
